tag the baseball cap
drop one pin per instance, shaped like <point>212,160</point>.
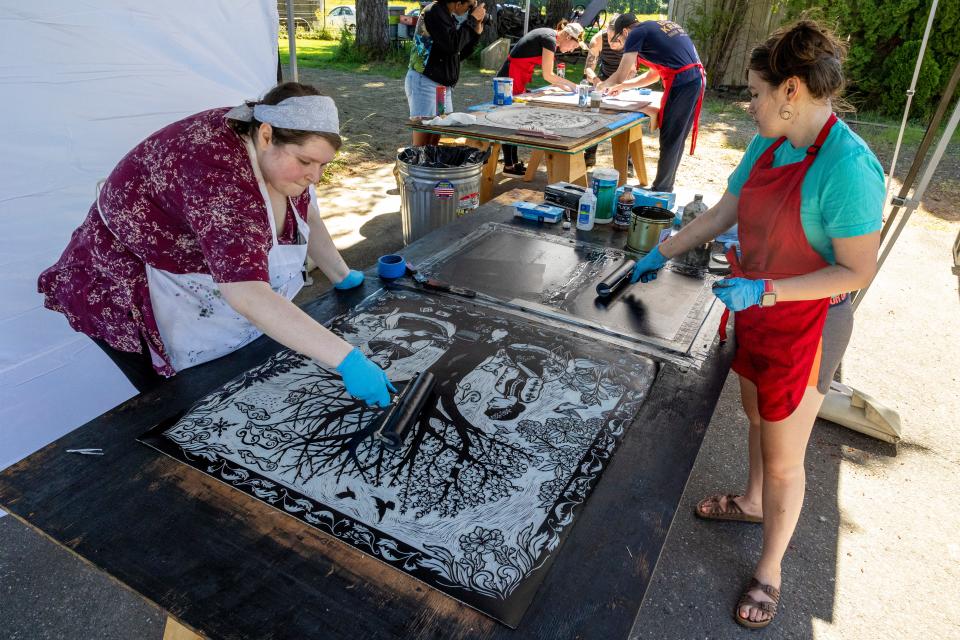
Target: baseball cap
<point>625,20</point>
<point>574,30</point>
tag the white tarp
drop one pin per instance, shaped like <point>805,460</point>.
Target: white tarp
<point>81,82</point>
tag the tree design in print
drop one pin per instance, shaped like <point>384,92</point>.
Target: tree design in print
<point>522,422</point>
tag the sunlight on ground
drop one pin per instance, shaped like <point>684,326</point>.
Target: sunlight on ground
<point>374,85</point>
<point>352,201</point>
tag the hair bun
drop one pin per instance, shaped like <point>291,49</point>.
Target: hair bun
<point>806,50</point>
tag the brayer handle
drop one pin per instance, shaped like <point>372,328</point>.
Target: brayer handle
<point>406,410</point>
<point>609,285</point>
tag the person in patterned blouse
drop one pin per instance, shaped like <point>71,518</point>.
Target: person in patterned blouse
<point>196,242</point>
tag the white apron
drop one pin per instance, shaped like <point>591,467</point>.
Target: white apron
<point>195,322</point>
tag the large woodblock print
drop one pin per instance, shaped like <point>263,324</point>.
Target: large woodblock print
<point>486,484</point>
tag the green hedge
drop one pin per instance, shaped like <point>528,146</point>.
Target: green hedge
<point>885,38</point>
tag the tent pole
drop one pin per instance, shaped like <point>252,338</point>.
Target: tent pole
<point>292,42</point>
<point>526,19</point>
<point>910,93</point>
<point>910,204</point>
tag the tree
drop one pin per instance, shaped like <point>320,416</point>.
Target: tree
<point>373,39</point>
<point>715,27</point>
<point>884,39</point>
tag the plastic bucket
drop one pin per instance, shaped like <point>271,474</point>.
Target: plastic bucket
<point>648,227</point>
<point>604,184</point>
<point>431,197</point>
<point>502,91</point>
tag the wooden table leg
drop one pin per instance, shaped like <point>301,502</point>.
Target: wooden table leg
<point>551,161</point>
<point>630,144</point>
<point>536,157</point>
<point>621,142</point>
<point>176,631</point>
<point>568,167</point>
<point>489,173</point>
<point>639,164</point>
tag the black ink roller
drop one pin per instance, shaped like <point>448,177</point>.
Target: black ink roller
<point>609,285</point>
<point>406,410</point>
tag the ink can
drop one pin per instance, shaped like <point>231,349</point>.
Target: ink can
<point>562,70</point>
<point>441,100</point>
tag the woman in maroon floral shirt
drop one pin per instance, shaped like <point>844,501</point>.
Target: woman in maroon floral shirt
<point>196,242</point>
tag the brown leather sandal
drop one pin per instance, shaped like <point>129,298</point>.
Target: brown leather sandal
<point>732,511</point>
<point>768,608</point>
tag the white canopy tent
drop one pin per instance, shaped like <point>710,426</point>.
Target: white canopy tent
<point>82,82</point>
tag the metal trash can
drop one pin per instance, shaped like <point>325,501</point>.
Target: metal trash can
<point>437,184</point>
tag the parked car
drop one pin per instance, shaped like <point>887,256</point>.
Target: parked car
<point>341,17</point>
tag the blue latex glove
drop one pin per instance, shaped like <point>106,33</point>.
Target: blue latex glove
<point>738,293</point>
<point>364,380</point>
<point>353,279</point>
<point>647,267</point>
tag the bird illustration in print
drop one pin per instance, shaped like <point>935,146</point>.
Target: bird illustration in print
<point>343,495</point>
<point>383,507</point>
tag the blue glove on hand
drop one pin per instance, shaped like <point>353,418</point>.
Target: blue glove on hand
<point>353,279</point>
<point>738,293</point>
<point>647,267</point>
<point>364,380</point>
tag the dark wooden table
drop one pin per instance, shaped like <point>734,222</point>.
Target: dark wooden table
<point>227,566</point>
<point>563,158</point>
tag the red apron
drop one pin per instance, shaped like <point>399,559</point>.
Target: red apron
<point>666,76</point>
<point>521,70</point>
<point>778,346</point>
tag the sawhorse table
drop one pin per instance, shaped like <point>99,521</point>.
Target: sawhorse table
<point>563,158</point>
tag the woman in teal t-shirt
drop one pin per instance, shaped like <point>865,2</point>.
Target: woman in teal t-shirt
<point>808,199</point>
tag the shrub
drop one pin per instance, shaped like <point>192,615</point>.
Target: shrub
<point>885,38</point>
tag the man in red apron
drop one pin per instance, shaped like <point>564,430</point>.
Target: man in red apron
<point>808,199</point>
<point>666,49</point>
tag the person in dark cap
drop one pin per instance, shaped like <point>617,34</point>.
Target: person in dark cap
<point>668,52</point>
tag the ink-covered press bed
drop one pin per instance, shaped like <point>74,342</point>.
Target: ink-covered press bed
<point>555,278</point>
<point>487,484</point>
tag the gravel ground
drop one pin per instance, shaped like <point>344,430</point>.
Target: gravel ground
<point>876,553</point>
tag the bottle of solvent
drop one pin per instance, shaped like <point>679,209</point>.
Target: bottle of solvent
<point>586,210</point>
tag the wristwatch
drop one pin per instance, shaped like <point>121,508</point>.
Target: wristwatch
<point>769,297</point>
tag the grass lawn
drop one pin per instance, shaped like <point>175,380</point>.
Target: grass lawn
<point>321,54</point>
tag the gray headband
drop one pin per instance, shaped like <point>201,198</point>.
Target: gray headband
<point>303,113</point>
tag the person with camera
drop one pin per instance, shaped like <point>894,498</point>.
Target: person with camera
<point>446,33</point>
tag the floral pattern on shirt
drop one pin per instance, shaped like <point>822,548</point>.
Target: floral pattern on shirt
<point>185,200</point>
